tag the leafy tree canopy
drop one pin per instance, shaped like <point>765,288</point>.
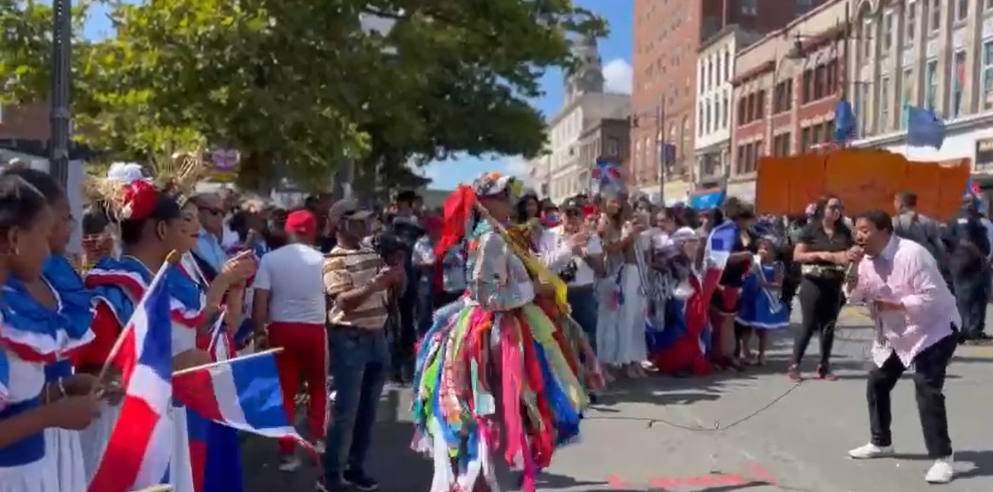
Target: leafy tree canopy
<point>302,83</point>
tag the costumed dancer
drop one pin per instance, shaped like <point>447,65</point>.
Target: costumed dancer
<point>681,346</point>
<point>151,225</point>
<point>491,379</point>
<point>214,448</point>
<point>762,307</point>
<point>60,305</point>
<point>30,402</point>
<point>621,315</point>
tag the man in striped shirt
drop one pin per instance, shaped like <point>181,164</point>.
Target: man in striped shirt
<point>357,283</point>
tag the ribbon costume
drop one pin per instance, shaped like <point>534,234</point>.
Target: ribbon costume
<point>491,379</point>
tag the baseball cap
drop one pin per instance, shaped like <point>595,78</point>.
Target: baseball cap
<point>347,209</point>
<point>301,222</point>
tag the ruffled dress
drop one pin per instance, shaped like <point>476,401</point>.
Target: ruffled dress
<point>762,308</point>
<point>31,339</point>
<point>118,285</point>
<point>680,342</point>
<point>491,379</point>
<point>215,451</point>
<point>71,321</point>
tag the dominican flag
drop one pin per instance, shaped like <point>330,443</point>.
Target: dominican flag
<point>242,393</point>
<point>720,242</point>
<point>141,445</point>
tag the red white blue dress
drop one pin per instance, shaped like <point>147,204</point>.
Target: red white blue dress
<point>32,339</point>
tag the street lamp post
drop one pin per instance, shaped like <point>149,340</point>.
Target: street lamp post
<point>60,90</point>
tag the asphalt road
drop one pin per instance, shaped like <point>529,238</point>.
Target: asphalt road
<point>685,434</point>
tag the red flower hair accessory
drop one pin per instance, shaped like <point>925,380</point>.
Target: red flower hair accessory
<point>138,200</point>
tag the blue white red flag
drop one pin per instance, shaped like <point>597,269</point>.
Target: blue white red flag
<point>141,445</point>
<point>718,249</point>
<point>242,393</point>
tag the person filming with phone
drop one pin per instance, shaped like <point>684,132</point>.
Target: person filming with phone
<point>915,317</point>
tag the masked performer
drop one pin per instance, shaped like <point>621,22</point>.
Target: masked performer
<point>151,224</point>
<point>491,378</point>
<point>57,304</point>
<point>32,339</point>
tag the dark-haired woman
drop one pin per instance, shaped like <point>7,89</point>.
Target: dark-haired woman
<point>151,225</point>
<point>821,248</point>
<point>58,304</point>
<point>31,403</point>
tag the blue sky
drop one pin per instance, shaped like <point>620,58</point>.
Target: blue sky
<point>615,51</point>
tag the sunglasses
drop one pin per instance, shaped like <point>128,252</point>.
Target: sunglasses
<point>213,211</point>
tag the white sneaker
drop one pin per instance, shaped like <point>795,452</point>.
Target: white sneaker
<point>289,463</point>
<point>941,471</point>
<point>870,451</point>
<point>319,446</point>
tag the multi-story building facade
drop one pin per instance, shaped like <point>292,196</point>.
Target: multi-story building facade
<point>786,87</point>
<point>934,54</point>
<point>715,69</point>
<point>565,170</point>
<point>667,39</point>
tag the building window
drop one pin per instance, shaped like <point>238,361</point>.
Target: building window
<point>710,73</point>
<point>934,23</point>
<point>866,39</point>
<point>988,72</point>
<point>805,139</point>
<point>718,71</point>
<point>699,119</point>
<point>760,105</point>
<point>911,21</point>
<point>750,7</point>
<point>781,145</point>
<point>803,6</point>
<point>957,83</point>
<point>962,10</point>
<point>887,32</point>
<point>741,111</point>
<point>687,138</point>
<point>782,97</point>
<point>884,105</point>
<point>832,78</point>
<point>931,90</point>
<point>908,96</point>
<point>828,131</point>
<point>819,79</point>
<point>612,148</point>
<point>727,64</point>
<point>808,86</point>
<point>724,111</point>
<point>706,126</point>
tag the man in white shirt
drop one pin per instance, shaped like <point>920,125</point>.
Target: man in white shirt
<point>576,254</point>
<point>289,304</point>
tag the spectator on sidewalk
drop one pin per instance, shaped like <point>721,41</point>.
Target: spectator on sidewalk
<point>289,304</point>
<point>357,282</point>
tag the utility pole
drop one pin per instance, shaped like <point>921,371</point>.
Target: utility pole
<point>61,88</point>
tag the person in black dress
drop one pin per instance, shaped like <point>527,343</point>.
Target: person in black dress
<point>821,250</point>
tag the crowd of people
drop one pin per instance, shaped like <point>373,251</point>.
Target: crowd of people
<point>505,313</point>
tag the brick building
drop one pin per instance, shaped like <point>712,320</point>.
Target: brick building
<point>785,90</point>
<point>668,35</point>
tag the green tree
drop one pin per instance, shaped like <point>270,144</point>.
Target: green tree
<point>299,86</point>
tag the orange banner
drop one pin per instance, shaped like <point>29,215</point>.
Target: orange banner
<point>864,179</point>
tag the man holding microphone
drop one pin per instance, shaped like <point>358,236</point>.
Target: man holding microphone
<point>915,316</point>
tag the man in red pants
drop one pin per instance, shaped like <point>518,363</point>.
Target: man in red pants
<point>289,304</point>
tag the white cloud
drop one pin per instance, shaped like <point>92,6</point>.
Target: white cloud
<point>517,166</point>
<point>618,76</point>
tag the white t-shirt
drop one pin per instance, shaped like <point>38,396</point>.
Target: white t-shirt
<point>292,275</point>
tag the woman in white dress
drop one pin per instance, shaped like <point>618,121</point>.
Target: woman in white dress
<point>57,300</point>
<point>30,405</point>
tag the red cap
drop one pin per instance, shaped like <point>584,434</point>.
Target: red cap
<point>301,222</point>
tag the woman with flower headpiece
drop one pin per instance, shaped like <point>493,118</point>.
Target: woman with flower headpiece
<point>151,224</point>
<point>491,379</point>
<point>58,305</point>
<point>30,402</point>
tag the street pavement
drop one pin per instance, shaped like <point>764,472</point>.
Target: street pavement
<point>722,433</point>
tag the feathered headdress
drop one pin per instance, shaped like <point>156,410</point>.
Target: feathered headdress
<point>178,175</point>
